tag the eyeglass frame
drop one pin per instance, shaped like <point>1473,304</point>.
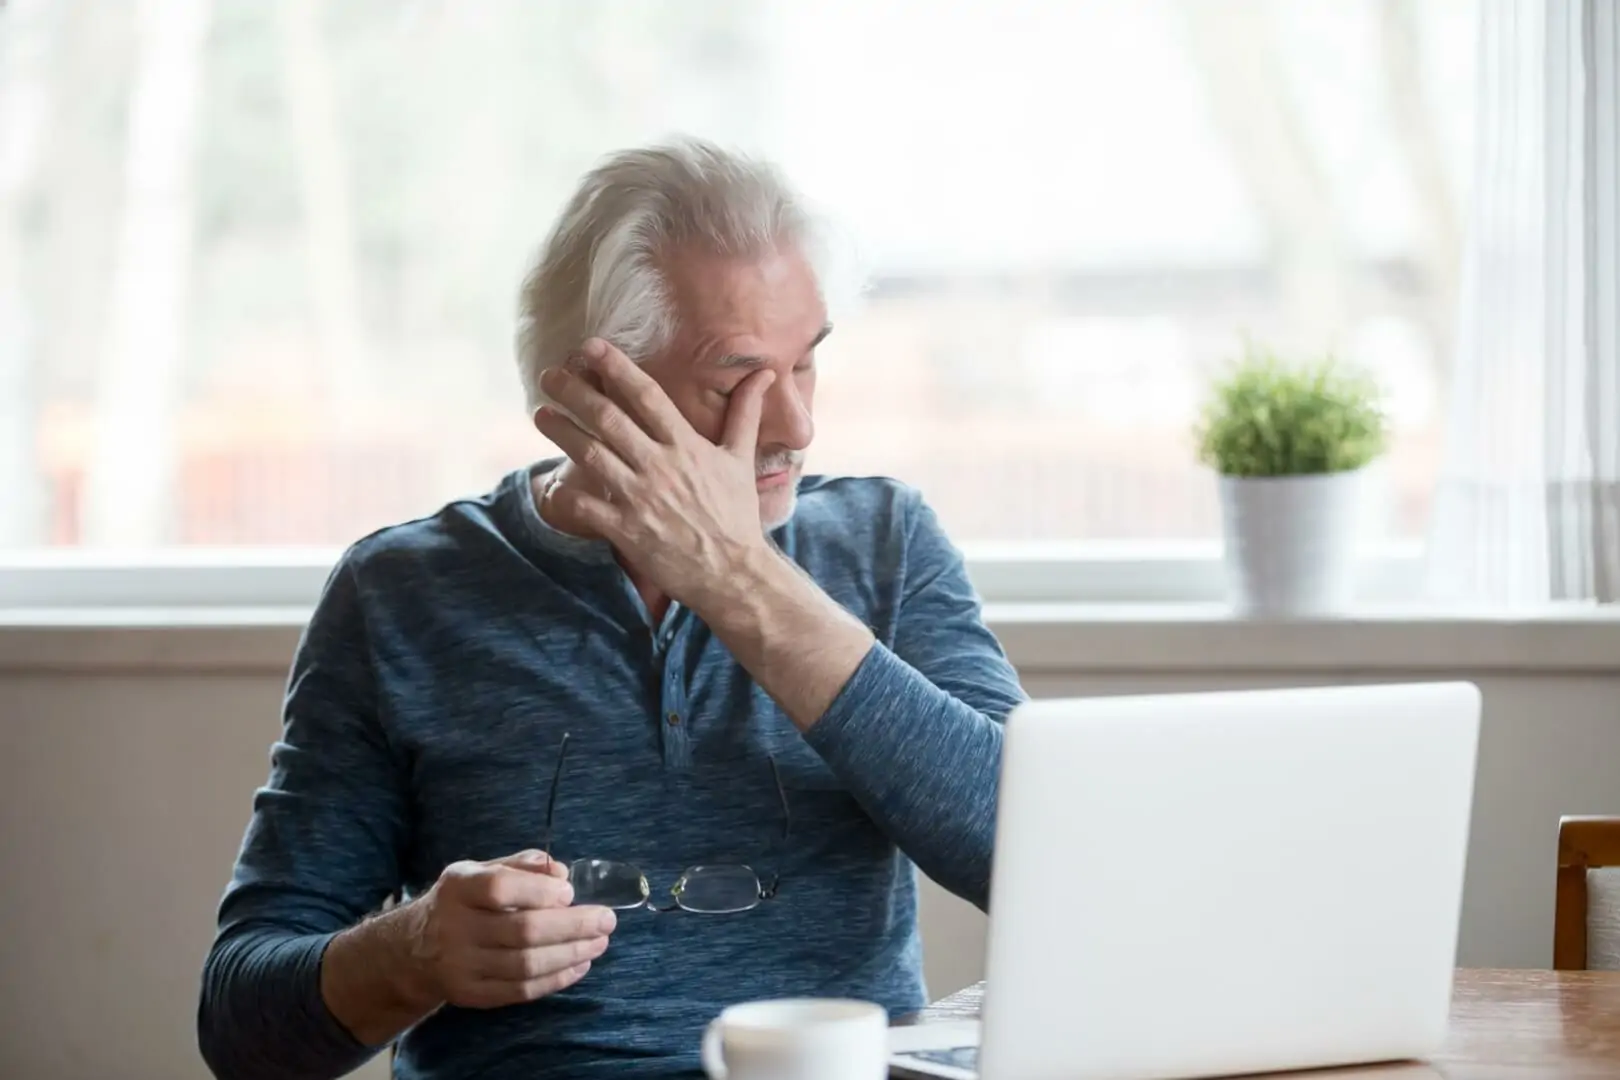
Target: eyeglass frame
<point>766,891</point>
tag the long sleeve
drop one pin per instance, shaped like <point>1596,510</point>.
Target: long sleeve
<point>916,732</point>
<point>321,852</point>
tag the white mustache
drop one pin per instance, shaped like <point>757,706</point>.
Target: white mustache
<point>772,463</point>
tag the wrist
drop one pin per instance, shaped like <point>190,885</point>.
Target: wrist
<point>411,979</point>
<point>754,580</point>
<point>374,979</point>
<point>797,642</point>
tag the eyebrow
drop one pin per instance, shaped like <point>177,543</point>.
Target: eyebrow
<point>739,360</point>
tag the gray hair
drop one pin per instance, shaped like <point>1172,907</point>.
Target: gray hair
<point>598,273</point>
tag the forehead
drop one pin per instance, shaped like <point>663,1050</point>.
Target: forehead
<point>771,304</point>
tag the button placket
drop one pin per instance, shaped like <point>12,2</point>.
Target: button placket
<point>672,712</point>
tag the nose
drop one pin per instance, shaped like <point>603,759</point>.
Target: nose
<point>784,418</point>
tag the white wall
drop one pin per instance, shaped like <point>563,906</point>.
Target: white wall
<point>123,797</point>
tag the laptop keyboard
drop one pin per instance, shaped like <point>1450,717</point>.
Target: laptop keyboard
<point>961,1057</point>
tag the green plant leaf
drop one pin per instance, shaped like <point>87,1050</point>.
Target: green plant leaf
<point>1268,418</point>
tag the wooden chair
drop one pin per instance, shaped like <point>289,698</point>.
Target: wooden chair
<point>1586,923</point>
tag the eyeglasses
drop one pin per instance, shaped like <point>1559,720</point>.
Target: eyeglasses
<point>717,889</point>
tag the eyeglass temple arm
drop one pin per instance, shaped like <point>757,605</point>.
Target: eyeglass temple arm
<point>551,800</point>
<point>768,890</point>
<point>781,793</point>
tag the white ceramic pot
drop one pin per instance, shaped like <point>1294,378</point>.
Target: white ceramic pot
<point>1291,542</point>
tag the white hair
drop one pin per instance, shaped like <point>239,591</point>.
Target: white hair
<point>599,273</point>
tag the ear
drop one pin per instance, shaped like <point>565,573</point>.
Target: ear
<point>579,366</point>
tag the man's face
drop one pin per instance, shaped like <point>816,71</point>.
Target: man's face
<point>736,316</point>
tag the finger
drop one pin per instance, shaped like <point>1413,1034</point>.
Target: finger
<point>493,993</point>
<point>534,861</point>
<point>742,418</point>
<point>599,414</point>
<point>530,928</point>
<point>584,449</point>
<point>503,888</point>
<point>597,514</point>
<point>562,980</point>
<point>526,965</point>
<point>554,867</point>
<point>635,391</point>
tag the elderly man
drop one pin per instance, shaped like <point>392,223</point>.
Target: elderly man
<point>650,729</point>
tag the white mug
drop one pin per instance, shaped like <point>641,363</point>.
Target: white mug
<point>798,1039</point>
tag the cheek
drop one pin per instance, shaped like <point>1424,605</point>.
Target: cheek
<point>706,414</point>
<point>691,401</point>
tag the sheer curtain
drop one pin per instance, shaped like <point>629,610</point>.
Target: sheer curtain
<point>1528,508</point>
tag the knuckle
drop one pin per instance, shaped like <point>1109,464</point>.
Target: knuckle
<point>617,428</point>
<point>459,874</point>
<point>647,395</point>
<point>472,890</point>
<point>531,930</point>
<point>548,984</point>
<point>492,889</point>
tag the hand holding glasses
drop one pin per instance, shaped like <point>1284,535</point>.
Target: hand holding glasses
<point>709,889</point>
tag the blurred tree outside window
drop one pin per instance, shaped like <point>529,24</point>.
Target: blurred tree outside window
<point>259,258</point>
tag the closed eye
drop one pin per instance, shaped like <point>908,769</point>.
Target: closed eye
<point>724,393</point>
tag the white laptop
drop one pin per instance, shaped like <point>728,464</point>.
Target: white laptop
<point>1201,885</point>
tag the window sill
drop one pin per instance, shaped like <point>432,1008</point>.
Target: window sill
<point>1040,639</point>
<point>1057,638</point>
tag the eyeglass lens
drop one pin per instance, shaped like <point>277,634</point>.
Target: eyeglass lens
<point>705,890</point>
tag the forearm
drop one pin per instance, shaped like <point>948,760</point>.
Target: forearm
<point>922,762</point>
<point>261,1016</point>
<point>798,643</point>
<point>278,1005</point>
<point>371,981</point>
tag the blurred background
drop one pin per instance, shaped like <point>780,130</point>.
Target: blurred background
<point>258,260</point>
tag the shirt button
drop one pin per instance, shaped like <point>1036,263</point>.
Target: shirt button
<point>674,719</point>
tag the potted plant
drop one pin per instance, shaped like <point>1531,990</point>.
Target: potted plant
<point>1291,445</point>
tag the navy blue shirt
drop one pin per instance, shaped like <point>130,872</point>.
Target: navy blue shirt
<point>423,716</point>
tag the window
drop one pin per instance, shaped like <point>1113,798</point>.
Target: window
<point>258,260</point>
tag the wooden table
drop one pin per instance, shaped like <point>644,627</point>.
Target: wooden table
<point>1504,1024</point>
